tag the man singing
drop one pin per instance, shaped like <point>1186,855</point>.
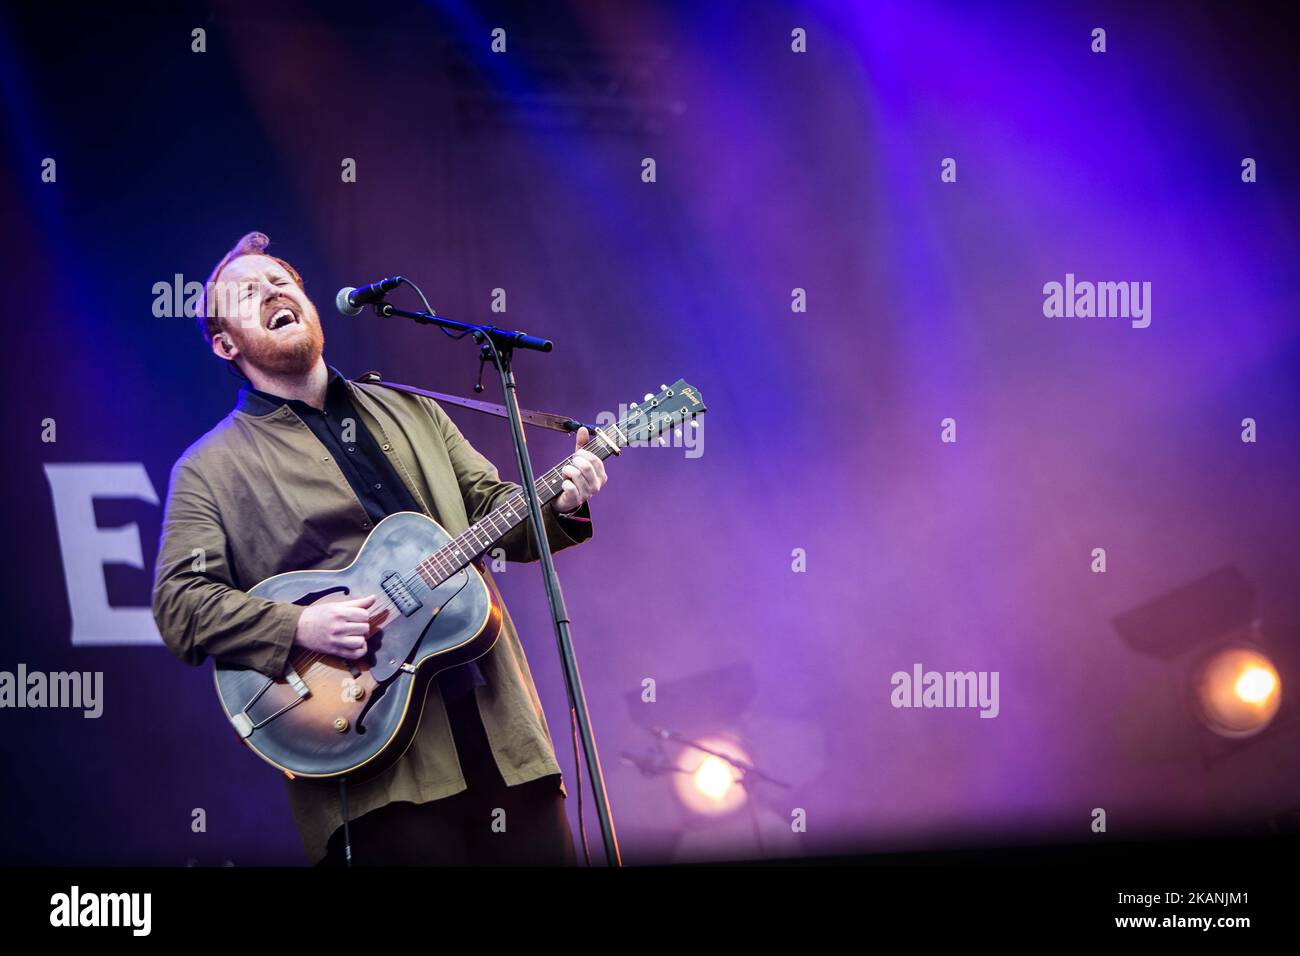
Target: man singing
<point>294,478</point>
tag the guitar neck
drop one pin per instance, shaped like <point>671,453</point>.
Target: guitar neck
<point>479,537</point>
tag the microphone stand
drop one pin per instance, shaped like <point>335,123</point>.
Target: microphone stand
<point>499,344</point>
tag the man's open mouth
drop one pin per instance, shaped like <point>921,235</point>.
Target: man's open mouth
<point>281,318</point>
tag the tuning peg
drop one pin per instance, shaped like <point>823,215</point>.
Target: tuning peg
<point>663,388</point>
<point>648,396</point>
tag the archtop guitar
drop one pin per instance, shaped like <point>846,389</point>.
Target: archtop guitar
<point>331,717</point>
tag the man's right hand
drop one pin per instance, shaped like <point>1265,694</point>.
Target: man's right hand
<point>338,627</point>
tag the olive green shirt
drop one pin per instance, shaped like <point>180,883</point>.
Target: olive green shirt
<point>258,495</point>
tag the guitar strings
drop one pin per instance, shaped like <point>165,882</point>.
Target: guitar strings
<point>308,663</point>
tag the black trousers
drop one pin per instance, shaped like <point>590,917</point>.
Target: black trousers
<point>487,824</point>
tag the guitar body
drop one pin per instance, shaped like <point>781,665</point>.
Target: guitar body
<point>330,717</point>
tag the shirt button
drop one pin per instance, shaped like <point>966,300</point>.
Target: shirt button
<point>386,447</point>
<point>365,524</point>
<point>378,486</point>
<point>352,448</point>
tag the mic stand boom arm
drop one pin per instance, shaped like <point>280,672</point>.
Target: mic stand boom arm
<point>501,338</point>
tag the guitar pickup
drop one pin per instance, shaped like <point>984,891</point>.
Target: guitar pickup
<point>401,596</point>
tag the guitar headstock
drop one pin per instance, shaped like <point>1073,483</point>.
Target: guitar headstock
<point>674,406</point>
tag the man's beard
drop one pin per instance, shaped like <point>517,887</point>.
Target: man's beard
<point>296,357</point>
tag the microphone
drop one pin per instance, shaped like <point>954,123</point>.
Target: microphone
<point>351,301</point>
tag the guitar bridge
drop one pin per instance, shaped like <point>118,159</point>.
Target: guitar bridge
<point>296,682</point>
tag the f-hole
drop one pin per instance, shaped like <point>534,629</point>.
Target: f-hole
<point>315,596</point>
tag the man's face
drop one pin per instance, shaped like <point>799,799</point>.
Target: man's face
<point>270,322</point>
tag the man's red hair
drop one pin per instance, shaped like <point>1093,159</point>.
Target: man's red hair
<point>253,244</point>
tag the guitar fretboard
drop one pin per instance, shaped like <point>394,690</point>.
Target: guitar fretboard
<point>488,530</point>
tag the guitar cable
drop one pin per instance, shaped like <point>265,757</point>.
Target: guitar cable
<point>577,775</point>
<point>347,834</point>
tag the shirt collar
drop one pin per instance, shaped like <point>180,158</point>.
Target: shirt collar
<point>258,403</point>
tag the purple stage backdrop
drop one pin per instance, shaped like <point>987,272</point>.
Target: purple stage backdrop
<point>843,223</point>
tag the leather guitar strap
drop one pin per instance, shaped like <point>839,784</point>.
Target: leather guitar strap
<point>559,423</point>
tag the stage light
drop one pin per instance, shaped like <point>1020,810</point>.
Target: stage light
<point>1230,664</point>
<point>714,778</point>
<point>1238,692</point>
<point>709,784</point>
<point>1256,684</point>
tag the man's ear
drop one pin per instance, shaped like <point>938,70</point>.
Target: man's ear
<point>222,347</point>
